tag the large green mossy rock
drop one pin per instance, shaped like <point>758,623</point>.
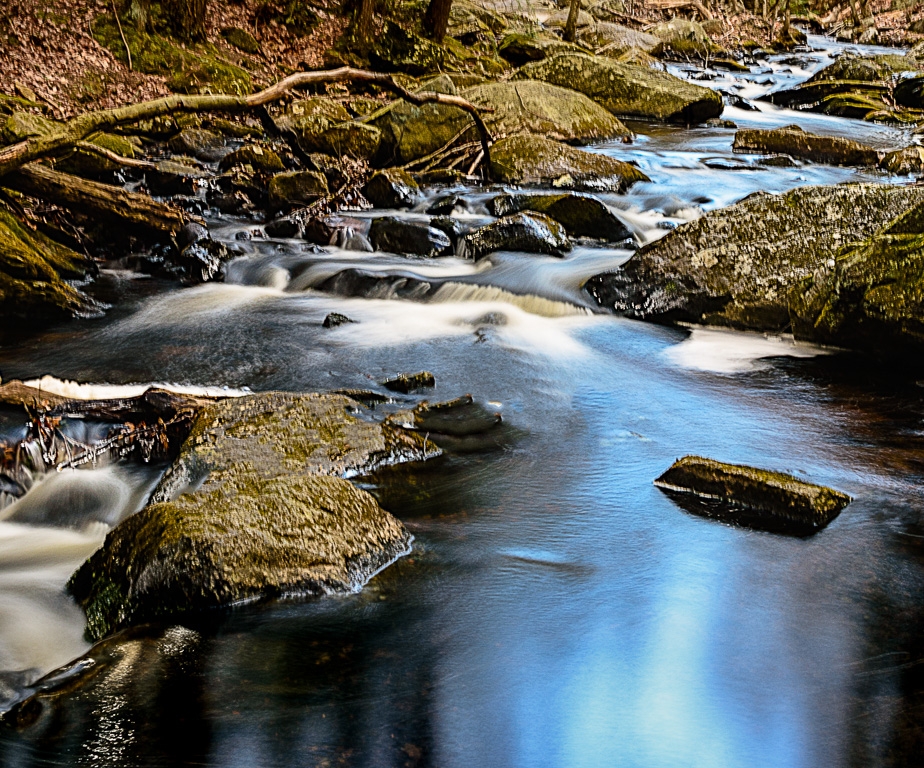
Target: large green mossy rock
<point>795,142</point>
<point>295,188</point>
<point>195,69</point>
<point>20,126</point>
<point>873,295</point>
<point>397,50</point>
<point>628,90</point>
<point>323,125</point>
<point>33,270</point>
<point>256,505</point>
<point>740,266</point>
<point>754,498</point>
<point>617,39</point>
<point>88,163</point>
<point>867,69</point>
<point>410,132</point>
<point>537,161</point>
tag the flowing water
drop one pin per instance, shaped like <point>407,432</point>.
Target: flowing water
<point>557,610</point>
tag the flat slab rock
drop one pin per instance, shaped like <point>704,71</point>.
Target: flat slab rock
<point>256,505</point>
<point>755,498</point>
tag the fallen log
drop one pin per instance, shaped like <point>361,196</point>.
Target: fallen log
<point>77,129</point>
<point>100,201</point>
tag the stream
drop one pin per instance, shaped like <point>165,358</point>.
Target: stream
<point>557,609</point>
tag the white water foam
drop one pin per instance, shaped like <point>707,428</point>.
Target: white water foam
<point>101,391</point>
<point>727,351</point>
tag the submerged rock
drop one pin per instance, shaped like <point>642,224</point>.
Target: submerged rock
<point>756,498</point>
<point>581,215</point>
<point>376,285</point>
<point>739,266</point>
<point>795,142</point>
<point>410,132</point>
<point>334,319</point>
<point>410,382</point>
<point>529,232</point>
<point>628,90</point>
<point>412,237</point>
<point>535,160</point>
<point>255,505</point>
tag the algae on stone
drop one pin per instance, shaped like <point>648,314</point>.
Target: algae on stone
<point>627,90</point>
<point>795,142</point>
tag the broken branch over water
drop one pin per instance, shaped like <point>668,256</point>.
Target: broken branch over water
<point>77,129</point>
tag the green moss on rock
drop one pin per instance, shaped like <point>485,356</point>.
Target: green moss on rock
<point>628,90</point>
<point>296,188</point>
<point>258,157</point>
<point>793,141</point>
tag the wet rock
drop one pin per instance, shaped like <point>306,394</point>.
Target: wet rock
<point>397,50</point>
<point>452,228</point>
<point>617,40</point>
<point>199,143</point>
<point>201,261</point>
<point>870,295</point>
<point>447,204</point>
<point>581,215</point>
<point>865,69</point>
<point>334,319</point>
<point>323,125</point>
<point>779,161</point>
<point>295,188</point>
<point>410,132</point>
<point>904,162</point>
<point>239,181</point>
<point>256,505</point>
<point>412,237</point>
<point>257,157</point>
<point>910,92</point>
<point>740,265</point>
<point>628,90</point>
<point>319,231</point>
<point>391,188</point>
<point>361,283</point>
<point>33,276</point>
<point>535,160</point>
<point>178,176</point>
<point>192,232</point>
<point>410,382</point>
<point>529,232</point>
<point>755,498</point>
<point>350,240</point>
<point>459,417</point>
<point>285,226</point>
<point>233,204</point>
<point>793,141</point>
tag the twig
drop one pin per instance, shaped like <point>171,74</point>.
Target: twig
<point>128,162</point>
<point>478,158</point>
<point>128,51</point>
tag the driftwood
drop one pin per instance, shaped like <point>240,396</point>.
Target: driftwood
<point>101,201</point>
<point>74,131</point>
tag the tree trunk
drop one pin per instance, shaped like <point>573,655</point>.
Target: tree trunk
<point>571,24</point>
<point>362,23</point>
<point>186,17</point>
<point>102,201</point>
<point>138,12</point>
<point>786,31</point>
<point>436,20</point>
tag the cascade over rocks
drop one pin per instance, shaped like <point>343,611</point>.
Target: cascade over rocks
<point>270,513</point>
<point>740,265</point>
<point>628,90</point>
<point>395,235</point>
<point>537,161</point>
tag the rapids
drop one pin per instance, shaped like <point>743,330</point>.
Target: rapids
<point>557,610</point>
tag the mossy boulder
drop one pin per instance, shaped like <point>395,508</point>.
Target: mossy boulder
<point>307,117</point>
<point>258,157</point>
<point>872,296</point>
<point>538,161</point>
<point>256,505</point>
<point>296,188</point>
<point>904,162</point>
<point>527,232</point>
<point>752,497</point>
<point>617,39</point>
<point>33,274</point>
<point>197,142</point>
<point>740,266</point>
<point>682,37</point>
<point>627,90</point>
<point>176,176</point>
<point>580,215</point>
<point>410,132</point>
<point>519,48</point>
<point>795,142</point>
<point>867,69</point>
<point>398,50</point>
<point>20,126</point>
<point>87,163</point>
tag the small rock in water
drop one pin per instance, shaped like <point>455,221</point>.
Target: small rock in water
<point>391,188</point>
<point>459,417</point>
<point>335,318</point>
<point>410,382</point>
<point>401,236</point>
<point>529,232</point>
<point>350,240</point>
<point>778,161</point>
<point>754,498</point>
<point>283,227</point>
<point>318,231</point>
<point>581,215</point>
<point>444,206</point>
